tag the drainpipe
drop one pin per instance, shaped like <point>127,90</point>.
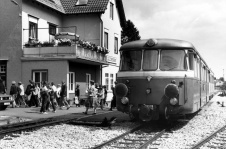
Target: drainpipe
<point>101,31</point>
<point>101,44</point>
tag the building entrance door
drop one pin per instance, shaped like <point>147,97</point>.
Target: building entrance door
<point>3,71</point>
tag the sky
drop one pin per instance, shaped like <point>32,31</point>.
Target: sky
<point>201,22</point>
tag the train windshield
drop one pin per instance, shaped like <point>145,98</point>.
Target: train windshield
<point>172,60</point>
<point>150,60</point>
<point>131,60</point>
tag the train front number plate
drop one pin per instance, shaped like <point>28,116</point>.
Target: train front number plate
<point>6,103</point>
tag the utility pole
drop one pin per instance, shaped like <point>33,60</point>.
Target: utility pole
<point>223,74</point>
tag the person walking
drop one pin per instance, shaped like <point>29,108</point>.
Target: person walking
<point>113,101</point>
<point>21,94</point>
<point>29,93</point>
<point>63,95</point>
<point>45,98</point>
<point>52,98</point>
<point>13,92</point>
<point>58,99</point>
<point>36,95</point>
<point>96,99</point>
<point>89,101</point>
<point>77,96</point>
<point>105,94</point>
<point>54,88</point>
<point>100,96</point>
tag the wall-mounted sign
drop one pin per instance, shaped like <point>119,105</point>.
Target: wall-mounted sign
<point>111,59</point>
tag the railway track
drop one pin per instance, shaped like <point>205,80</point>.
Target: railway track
<point>30,125</point>
<point>215,140</point>
<point>137,138</point>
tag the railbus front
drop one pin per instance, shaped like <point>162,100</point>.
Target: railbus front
<point>162,78</point>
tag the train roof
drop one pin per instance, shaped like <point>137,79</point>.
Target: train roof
<point>160,43</point>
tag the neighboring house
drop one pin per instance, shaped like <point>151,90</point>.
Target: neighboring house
<point>218,84</point>
<point>60,40</point>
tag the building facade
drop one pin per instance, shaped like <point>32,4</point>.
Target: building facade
<point>60,40</point>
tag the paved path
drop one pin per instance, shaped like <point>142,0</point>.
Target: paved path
<point>15,115</point>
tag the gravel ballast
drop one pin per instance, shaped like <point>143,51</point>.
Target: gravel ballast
<point>67,136</point>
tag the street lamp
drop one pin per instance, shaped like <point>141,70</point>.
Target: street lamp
<point>18,6</point>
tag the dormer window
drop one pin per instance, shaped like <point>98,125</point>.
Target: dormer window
<point>81,2</point>
<point>52,1</point>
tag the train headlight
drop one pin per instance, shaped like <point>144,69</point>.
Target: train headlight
<point>121,90</point>
<point>148,91</point>
<point>151,42</point>
<point>171,90</point>
<point>173,101</point>
<point>124,100</point>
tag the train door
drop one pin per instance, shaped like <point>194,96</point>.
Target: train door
<point>198,64</point>
<point>207,85</point>
<point>203,85</point>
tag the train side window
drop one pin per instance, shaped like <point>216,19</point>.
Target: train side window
<point>208,76</point>
<point>201,65</point>
<point>191,61</point>
<point>198,68</point>
<point>195,66</point>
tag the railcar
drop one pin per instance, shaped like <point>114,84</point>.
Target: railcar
<point>162,79</point>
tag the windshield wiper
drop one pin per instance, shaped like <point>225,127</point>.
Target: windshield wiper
<point>172,68</point>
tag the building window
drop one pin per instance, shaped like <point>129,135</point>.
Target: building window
<point>33,30</point>
<point>2,68</point>
<point>88,79</point>
<point>107,81</point>
<point>39,76</point>
<point>116,45</point>
<point>52,29</point>
<point>112,80</point>
<point>71,85</point>
<point>111,11</point>
<point>106,40</point>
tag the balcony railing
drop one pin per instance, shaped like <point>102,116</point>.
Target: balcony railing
<point>74,51</point>
<point>62,44</point>
<point>48,37</point>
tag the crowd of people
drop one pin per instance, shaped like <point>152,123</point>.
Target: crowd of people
<point>47,95</point>
<point>97,96</point>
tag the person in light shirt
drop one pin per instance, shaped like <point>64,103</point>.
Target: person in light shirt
<point>21,94</point>
<point>54,88</point>
<point>58,99</point>
<point>91,95</point>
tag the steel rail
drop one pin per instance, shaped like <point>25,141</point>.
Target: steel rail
<point>117,138</point>
<point>32,125</point>
<point>199,144</point>
<point>158,135</point>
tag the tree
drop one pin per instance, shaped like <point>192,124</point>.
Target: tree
<point>222,79</point>
<point>223,87</point>
<point>129,33</point>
